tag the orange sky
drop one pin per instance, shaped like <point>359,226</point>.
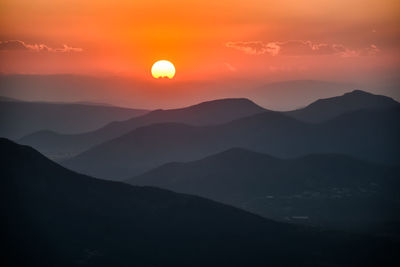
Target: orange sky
<point>257,39</point>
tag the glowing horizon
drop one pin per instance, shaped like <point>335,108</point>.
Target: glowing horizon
<point>253,39</point>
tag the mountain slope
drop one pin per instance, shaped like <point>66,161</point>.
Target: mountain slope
<point>369,134</point>
<point>329,190</point>
<point>59,218</point>
<point>19,118</point>
<point>329,108</point>
<point>206,113</point>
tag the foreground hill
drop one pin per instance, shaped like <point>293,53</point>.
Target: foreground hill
<point>213,112</point>
<point>19,118</point>
<point>329,108</point>
<point>56,217</point>
<point>368,134</point>
<point>328,190</point>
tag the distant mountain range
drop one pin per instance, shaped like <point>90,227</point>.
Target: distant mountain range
<point>19,118</point>
<point>333,191</point>
<point>369,134</point>
<point>55,217</point>
<point>206,113</point>
<point>281,95</point>
<point>57,145</point>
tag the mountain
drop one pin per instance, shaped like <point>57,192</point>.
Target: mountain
<point>329,108</point>
<point>367,134</point>
<point>151,146</point>
<point>62,146</point>
<point>326,190</point>
<point>19,118</point>
<point>55,217</point>
<point>212,112</point>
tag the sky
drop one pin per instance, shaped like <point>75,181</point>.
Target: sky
<point>257,40</point>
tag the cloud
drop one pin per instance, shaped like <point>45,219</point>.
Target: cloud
<point>372,50</point>
<point>17,45</point>
<point>299,48</point>
<point>255,47</point>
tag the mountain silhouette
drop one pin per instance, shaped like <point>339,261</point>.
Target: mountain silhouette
<point>329,108</point>
<point>212,112</point>
<point>328,190</point>
<point>19,118</point>
<point>55,217</point>
<point>367,134</point>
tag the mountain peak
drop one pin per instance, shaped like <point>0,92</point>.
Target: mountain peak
<point>223,102</point>
<point>218,105</point>
<point>358,92</point>
<point>356,95</point>
<point>328,108</point>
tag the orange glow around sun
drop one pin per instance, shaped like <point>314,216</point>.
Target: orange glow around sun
<point>207,40</point>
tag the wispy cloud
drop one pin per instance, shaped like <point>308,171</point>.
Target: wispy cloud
<point>300,48</point>
<point>255,47</point>
<point>17,45</point>
<point>372,50</point>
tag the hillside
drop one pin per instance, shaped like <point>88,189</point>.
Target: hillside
<point>56,217</point>
<point>326,190</point>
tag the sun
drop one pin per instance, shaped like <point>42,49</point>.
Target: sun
<point>163,69</point>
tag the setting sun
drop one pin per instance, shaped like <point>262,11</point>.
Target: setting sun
<point>162,69</point>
